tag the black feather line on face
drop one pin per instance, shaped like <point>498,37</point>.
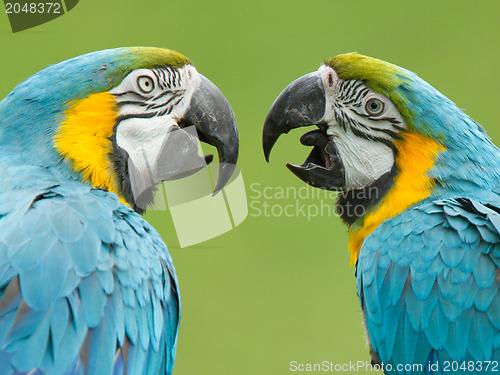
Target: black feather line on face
<point>132,102</point>
<point>390,133</point>
<point>174,96</point>
<point>142,97</point>
<point>356,128</point>
<point>133,115</point>
<point>360,96</point>
<point>338,120</point>
<point>157,74</point>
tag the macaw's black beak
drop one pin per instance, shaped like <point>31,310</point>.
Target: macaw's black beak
<point>210,113</point>
<point>303,103</point>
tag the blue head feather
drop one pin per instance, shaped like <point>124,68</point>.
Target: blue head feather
<point>471,160</point>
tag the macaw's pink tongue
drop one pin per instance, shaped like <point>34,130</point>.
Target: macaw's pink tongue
<point>326,157</point>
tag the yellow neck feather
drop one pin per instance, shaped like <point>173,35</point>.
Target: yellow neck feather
<point>83,138</point>
<point>416,156</point>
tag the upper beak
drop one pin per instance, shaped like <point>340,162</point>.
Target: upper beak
<point>303,103</point>
<point>210,113</point>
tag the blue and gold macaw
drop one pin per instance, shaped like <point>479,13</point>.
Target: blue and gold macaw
<point>419,188</point>
<point>86,285</point>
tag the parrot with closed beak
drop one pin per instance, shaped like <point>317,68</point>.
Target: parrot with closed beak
<point>87,286</point>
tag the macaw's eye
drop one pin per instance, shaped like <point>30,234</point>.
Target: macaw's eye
<point>374,106</point>
<point>146,84</point>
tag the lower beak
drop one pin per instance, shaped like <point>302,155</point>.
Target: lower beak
<point>303,103</point>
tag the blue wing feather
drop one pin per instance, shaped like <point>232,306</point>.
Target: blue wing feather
<point>445,305</point>
<point>86,285</point>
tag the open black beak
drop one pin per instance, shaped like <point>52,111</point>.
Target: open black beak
<point>303,103</point>
<point>210,113</point>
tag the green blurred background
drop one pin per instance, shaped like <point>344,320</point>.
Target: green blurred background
<point>275,289</point>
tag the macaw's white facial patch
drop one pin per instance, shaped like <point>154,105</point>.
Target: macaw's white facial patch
<point>142,139</point>
<point>151,103</point>
<point>158,151</point>
<point>364,160</point>
<point>363,125</point>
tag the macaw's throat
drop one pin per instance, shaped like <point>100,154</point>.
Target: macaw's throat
<point>140,195</point>
<point>355,203</point>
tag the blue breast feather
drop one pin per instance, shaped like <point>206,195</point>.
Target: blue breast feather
<point>428,281</point>
<point>86,285</point>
